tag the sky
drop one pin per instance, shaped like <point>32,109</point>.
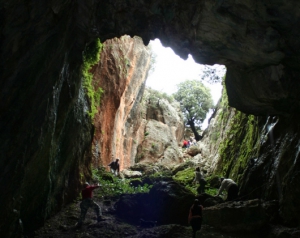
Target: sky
<point>170,70</point>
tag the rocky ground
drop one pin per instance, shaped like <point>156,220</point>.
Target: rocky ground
<point>63,225</point>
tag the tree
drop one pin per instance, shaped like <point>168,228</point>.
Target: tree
<point>213,74</point>
<point>195,100</point>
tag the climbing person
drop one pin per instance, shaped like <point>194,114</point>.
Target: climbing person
<point>87,202</point>
<point>231,188</point>
<point>200,179</point>
<point>195,217</point>
<point>115,167</point>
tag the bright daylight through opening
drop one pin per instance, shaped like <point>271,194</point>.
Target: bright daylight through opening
<point>170,70</point>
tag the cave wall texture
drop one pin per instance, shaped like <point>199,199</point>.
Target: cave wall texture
<point>121,73</point>
<point>45,133</point>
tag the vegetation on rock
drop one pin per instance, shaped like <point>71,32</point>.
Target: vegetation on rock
<point>155,95</point>
<point>113,186</point>
<point>91,56</point>
<point>239,141</point>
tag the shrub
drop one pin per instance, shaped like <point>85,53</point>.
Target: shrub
<point>115,186</point>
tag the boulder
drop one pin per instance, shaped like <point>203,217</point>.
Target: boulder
<point>166,203</point>
<point>193,150</point>
<point>243,216</point>
<point>131,174</point>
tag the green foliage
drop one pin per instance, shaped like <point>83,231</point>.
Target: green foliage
<point>213,74</point>
<point>186,177</point>
<point>155,95</point>
<point>114,186</point>
<point>161,175</point>
<point>91,56</point>
<point>195,100</point>
<point>211,191</point>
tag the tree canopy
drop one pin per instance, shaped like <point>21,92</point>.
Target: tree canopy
<point>195,100</point>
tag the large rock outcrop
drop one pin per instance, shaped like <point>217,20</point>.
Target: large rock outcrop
<point>260,153</point>
<point>121,73</point>
<point>163,130</point>
<point>44,132</point>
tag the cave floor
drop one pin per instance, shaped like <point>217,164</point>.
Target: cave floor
<point>63,225</point>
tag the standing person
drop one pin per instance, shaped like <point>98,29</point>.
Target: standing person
<point>115,167</point>
<point>231,188</point>
<point>200,179</point>
<point>195,217</point>
<point>87,202</point>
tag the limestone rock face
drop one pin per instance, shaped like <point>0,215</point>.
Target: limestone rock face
<point>121,73</point>
<point>163,131</point>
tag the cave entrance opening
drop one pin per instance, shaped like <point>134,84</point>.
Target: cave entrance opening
<point>168,70</point>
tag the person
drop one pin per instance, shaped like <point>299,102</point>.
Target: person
<point>115,167</point>
<point>185,144</point>
<point>87,202</point>
<point>195,217</point>
<point>188,144</point>
<point>231,188</point>
<point>200,179</point>
<point>192,141</point>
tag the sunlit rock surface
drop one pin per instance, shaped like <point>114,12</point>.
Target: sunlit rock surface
<point>163,131</point>
<point>121,73</point>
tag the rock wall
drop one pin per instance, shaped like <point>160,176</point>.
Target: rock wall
<point>121,73</point>
<point>260,153</point>
<point>44,132</point>
<point>163,130</point>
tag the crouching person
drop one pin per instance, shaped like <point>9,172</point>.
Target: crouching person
<point>88,202</point>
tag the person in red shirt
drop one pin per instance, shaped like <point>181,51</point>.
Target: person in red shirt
<point>87,202</point>
<point>185,144</point>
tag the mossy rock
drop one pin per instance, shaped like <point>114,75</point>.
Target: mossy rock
<point>183,166</point>
<point>185,176</point>
<point>214,181</point>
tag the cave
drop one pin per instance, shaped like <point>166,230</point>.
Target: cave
<point>45,137</point>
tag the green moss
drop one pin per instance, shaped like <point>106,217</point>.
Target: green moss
<point>185,176</point>
<point>91,56</point>
<point>240,145</point>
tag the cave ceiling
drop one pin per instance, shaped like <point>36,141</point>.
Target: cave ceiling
<point>256,40</point>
